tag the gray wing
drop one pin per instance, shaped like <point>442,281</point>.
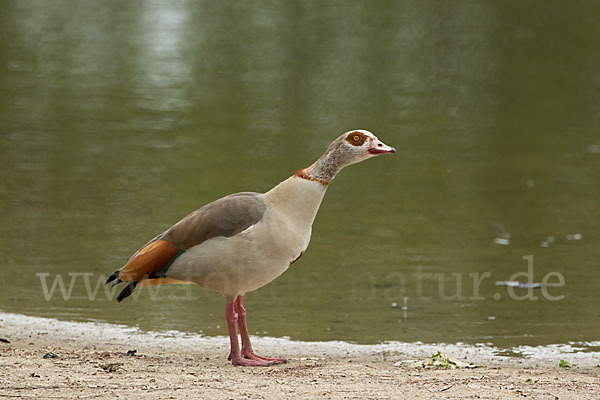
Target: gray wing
<point>226,217</point>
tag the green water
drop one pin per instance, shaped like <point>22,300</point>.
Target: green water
<point>118,118</point>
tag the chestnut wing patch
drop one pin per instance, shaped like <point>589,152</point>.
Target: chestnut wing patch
<point>148,261</point>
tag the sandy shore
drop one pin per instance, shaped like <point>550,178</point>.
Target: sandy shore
<point>92,364</point>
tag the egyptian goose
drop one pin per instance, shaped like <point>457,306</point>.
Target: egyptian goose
<point>243,241</point>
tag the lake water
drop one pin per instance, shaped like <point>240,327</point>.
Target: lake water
<point>118,118</point>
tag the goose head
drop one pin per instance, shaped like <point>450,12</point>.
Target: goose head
<point>359,145</point>
<point>355,146</point>
<point>349,148</point>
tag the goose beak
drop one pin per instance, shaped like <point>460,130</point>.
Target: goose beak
<point>376,147</point>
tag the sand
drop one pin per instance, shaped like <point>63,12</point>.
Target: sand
<point>93,363</point>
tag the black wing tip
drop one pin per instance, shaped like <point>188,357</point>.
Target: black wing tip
<point>127,290</point>
<point>115,275</point>
<point>115,283</point>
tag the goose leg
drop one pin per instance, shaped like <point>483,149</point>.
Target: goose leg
<point>247,351</point>
<point>235,355</point>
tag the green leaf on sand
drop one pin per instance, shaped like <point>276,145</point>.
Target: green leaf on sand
<point>440,360</point>
<point>564,364</point>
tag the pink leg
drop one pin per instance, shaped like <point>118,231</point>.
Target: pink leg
<point>235,356</point>
<point>247,351</point>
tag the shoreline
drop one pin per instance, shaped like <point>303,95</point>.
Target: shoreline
<point>175,364</point>
<point>81,333</point>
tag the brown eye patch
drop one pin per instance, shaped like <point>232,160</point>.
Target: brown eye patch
<point>356,138</point>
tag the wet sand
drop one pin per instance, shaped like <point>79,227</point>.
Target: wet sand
<point>92,364</point>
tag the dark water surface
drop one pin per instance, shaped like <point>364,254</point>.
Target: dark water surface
<point>118,118</point>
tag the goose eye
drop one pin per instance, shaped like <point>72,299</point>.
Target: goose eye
<point>356,138</point>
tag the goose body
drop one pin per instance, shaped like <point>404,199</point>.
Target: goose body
<point>243,241</point>
<point>261,252</point>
